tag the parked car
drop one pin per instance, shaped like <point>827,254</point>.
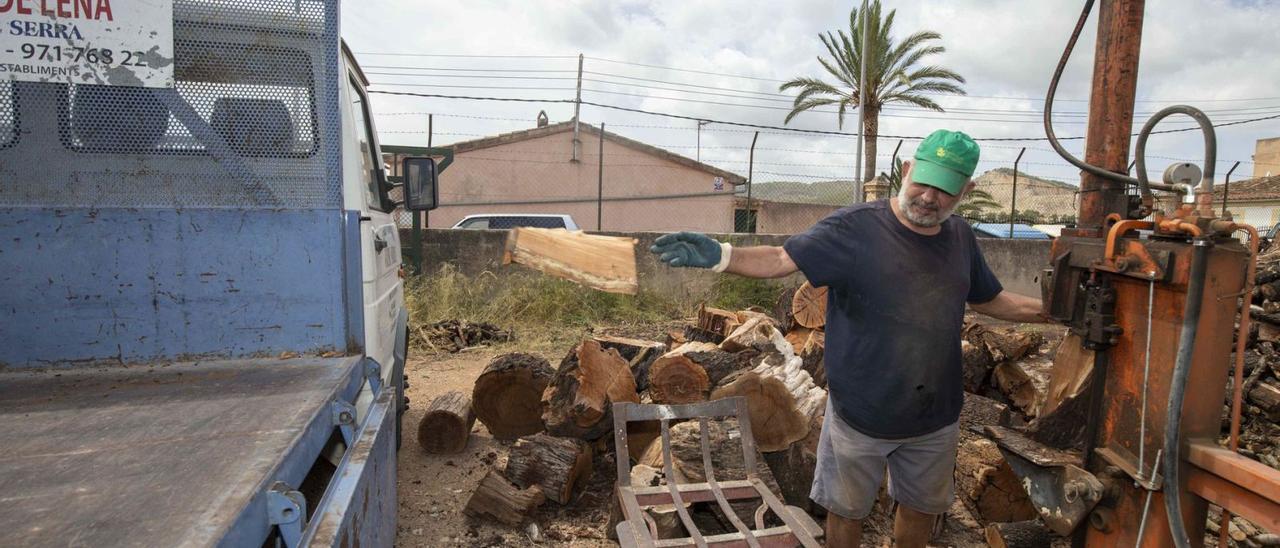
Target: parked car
<point>503,221</point>
<point>1001,230</point>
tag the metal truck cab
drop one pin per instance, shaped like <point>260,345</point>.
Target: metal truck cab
<point>201,320</point>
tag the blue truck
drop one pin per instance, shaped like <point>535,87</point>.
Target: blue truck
<point>202,319</point>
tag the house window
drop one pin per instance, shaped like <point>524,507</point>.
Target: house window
<point>745,221</point>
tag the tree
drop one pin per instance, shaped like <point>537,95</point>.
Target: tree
<point>974,203</point>
<point>893,75</point>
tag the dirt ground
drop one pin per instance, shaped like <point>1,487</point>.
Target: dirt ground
<point>433,489</point>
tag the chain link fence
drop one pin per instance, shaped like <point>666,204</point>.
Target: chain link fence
<point>783,187</point>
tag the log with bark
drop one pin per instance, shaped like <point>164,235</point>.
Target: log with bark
<point>507,397</point>
<point>640,355</point>
<point>809,306</point>
<point>1266,395</point>
<point>606,263</point>
<point>810,345</point>
<point>781,396</point>
<point>793,467</point>
<point>726,453</point>
<point>754,332</point>
<point>1061,419</point>
<point>498,498</point>
<point>676,378</point>
<point>559,466</point>
<point>782,310</point>
<point>1016,384</point>
<point>446,426</point>
<point>578,401</point>
<point>1021,534</point>
<point>716,320</point>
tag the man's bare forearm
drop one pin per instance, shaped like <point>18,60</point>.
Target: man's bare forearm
<point>760,262</point>
<point>1012,307</point>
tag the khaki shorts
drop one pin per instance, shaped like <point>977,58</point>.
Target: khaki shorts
<point>851,467</point>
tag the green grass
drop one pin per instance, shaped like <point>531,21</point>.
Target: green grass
<point>550,314</point>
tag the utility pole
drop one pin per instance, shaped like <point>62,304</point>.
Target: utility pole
<point>600,184</point>
<point>577,108</point>
<point>1115,81</point>
<point>751,164</point>
<point>858,193</point>
<point>1013,201</point>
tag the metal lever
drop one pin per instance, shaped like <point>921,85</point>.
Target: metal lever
<point>286,509</point>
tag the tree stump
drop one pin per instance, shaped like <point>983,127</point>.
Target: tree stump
<point>498,498</point>
<point>507,397</point>
<point>578,401</point>
<point>559,466</point>
<point>809,306</point>
<point>446,426</point>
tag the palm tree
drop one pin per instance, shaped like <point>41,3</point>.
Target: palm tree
<point>892,74</point>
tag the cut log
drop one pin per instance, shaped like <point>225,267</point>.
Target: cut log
<point>447,423</point>
<point>1016,384</point>
<point>794,466</point>
<point>693,333</point>
<point>776,421</point>
<point>677,378</point>
<point>640,355</point>
<point>606,263</point>
<point>716,320</point>
<point>497,498</point>
<point>811,351</point>
<point>809,306</point>
<point>1022,534</point>
<point>726,458</point>
<point>756,331</point>
<point>578,401</point>
<point>560,466</point>
<point>999,496</point>
<point>782,310</point>
<point>507,397</point>
<point>1266,395</point>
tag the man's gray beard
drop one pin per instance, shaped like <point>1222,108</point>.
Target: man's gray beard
<point>928,221</point>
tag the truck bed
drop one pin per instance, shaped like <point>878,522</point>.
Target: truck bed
<point>169,454</point>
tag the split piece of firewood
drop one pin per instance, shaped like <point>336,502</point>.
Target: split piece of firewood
<point>607,263</point>
<point>498,498</point>
<point>578,401</point>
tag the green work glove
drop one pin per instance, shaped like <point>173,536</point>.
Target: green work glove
<point>692,249</point>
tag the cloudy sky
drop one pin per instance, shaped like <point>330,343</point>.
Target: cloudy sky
<point>723,60</point>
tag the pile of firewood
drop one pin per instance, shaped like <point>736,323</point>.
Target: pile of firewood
<point>454,335</point>
<point>1260,410</point>
<point>558,417</point>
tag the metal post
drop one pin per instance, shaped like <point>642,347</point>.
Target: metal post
<point>600,184</point>
<point>701,123</point>
<point>859,195</point>
<point>751,163</point>
<point>1013,201</point>
<point>577,107</point>
<point>1226,187</point>
<point>1115,79</point>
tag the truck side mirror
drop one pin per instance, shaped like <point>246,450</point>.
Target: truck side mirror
<point>421,193</point>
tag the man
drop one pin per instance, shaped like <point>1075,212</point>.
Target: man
<point>899,273</point>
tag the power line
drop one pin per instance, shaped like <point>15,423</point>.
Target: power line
<point>768,127</point>
<point>455,69</point>
<point>745,105</point>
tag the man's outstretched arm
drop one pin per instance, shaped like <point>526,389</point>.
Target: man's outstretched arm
<point>1012,307</point>
<point>765,261</point>
<point>691,249</point>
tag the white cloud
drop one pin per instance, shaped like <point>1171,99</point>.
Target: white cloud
<point>1192,50</point>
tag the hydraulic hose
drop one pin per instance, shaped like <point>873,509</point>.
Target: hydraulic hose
<point>1086,167</point>
<point>1178,391</point>
<point>1210,147</point>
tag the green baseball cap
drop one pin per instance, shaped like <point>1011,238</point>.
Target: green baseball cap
<point>945,160</point>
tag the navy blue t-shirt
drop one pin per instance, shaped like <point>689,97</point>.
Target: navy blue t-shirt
<point>895,308</point>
